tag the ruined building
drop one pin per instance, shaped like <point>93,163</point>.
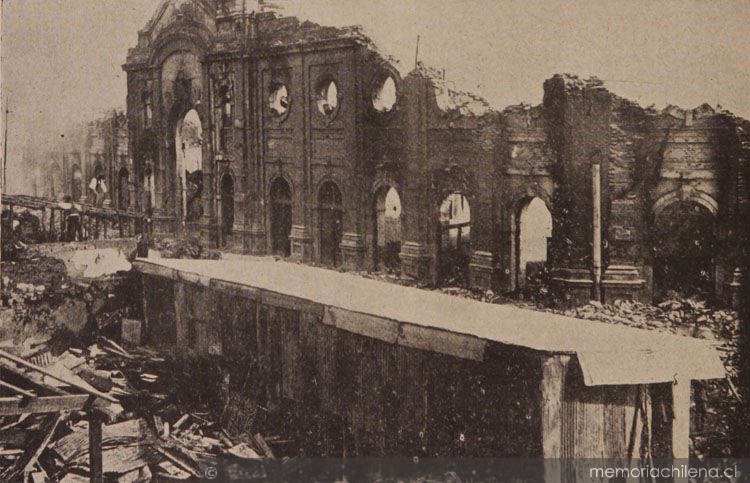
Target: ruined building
<point>263,134</point>
<point>83,152</point>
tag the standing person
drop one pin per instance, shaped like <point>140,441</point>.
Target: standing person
<point>73,224</point>
<point>99,189</point>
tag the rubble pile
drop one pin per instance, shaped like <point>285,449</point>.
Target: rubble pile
<point>163,429</point>
<point>41,301</point>
<point>184,248</point>
<point>19,229</point>
<point>717,407</point>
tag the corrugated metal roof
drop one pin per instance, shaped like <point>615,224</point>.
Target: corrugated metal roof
<point>608,354</point>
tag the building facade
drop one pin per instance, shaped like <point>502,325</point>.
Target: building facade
<point>263,134</point>
<point>83,153</point>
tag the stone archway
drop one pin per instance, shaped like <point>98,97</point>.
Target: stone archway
<point>189,165</point>
<point>533,230</point>
<point>684,245</point>
<point>281,217</point>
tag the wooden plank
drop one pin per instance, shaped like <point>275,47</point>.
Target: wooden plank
<point>27,365</point>
<point>194,278</point>
<point>46,404</point>
<point>155,270</point>
<point>96,460</point>
<point>274,299</point>
<point>34,447</point>
<point>32,379</point>
<point>147,322</point>
<point>235,289</point>
<point>48,431</point>
<point>180,316</point>
<point>681,419</point>
<point>290,355</point>
<point>212,322</point>
<point>17,389</point>
<point>362,324</point>
<point>554,370</point>
<point>442,342</point>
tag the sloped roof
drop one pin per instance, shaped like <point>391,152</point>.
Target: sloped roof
<point>608,354</point>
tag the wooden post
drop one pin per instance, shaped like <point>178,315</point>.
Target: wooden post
<point>96,464</point>
<point>596,242</point>
<point>63,223</point>
<point>52,224</point>
<point>554,373</point>
<point>681,419</point>
<point>181,319</point>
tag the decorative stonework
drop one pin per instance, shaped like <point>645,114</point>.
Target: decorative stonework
<point>415,260</point>
<point>482,270</point>
<point>353,251</point>
<point>302,243</point>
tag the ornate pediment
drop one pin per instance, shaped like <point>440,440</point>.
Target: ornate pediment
<point>172,13</point>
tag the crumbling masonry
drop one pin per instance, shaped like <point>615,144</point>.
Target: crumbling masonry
<point>298,144</point>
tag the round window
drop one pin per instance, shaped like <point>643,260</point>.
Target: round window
<point>328,98</point>
<point>278,101</point>
<point>384,95</point>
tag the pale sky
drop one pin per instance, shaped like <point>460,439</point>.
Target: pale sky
<point>62,58</point>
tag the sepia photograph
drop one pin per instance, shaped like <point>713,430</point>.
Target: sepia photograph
<point>375,240</point>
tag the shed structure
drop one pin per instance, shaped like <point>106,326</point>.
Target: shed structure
<point>385,370</point>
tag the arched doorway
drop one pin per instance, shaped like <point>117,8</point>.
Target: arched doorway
<point>684,250</point>
<point>227,207</point>
<point>189,165</point>
<point>123,190</point>
<point>454,249</point>
<point>386,237</point>
<point>76,183</point>
<point>533,230</point>
<point>330,221</point>
<point>281,217</point>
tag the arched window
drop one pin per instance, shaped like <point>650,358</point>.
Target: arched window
<point>278,100</point>
<point>534,228</point>
<point>328,97</point>
<point>384,95</point>
<point>281,217</point>
<point>387,228</point>
<point>330,221</point>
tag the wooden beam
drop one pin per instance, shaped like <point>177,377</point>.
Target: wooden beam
<point>96,462</point>
<point>17,389</point>
<point>552,392</point>
<point>28,365</point>
<point>10,406</point>
<point>681,419</point>
<point>31,379</point>
<point>33,449</point>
